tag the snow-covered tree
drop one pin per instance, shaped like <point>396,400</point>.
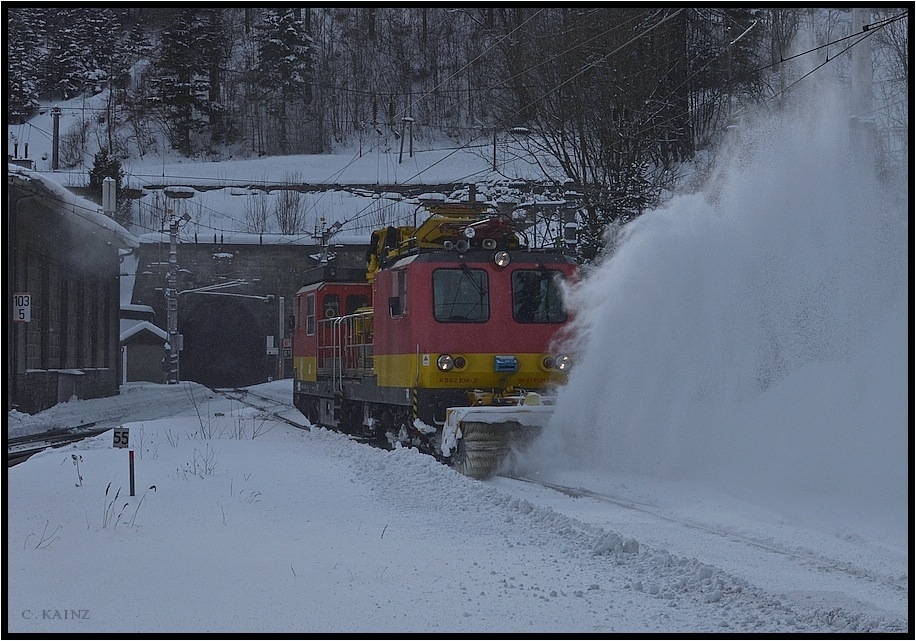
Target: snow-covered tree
<point>283,72</point>
<point>24,32</point>
<point>104,166</point>
<point>188,77</point>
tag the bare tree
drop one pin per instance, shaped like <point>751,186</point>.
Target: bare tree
<point>289,210</point>
<point>606,97</point>
<point>257,213</point>
<point>893,51</point>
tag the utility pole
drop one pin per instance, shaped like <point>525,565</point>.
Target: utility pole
<point>862,119</point>
<point>862,69</point>
<point>494,149</point>
<point>55,147</point>
<point>282,335</point>
<point>410,127</point>
<point>171,295</point>
<point>406,122</point>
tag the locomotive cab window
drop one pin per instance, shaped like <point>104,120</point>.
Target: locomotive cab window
<point>460,295</point>
<point>331,305</point>
<point>536,296</point>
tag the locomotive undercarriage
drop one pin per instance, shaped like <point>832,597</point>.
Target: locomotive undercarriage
<point>370,413</point>
<point>478,452</point>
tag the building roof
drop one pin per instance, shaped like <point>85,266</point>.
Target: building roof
<point>143,326</point>
<point>83,213</point>
<point>138,310</point>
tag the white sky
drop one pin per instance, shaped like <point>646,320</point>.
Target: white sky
<point>740,404</point>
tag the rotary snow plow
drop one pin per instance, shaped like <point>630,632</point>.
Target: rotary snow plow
<point>477,441</point>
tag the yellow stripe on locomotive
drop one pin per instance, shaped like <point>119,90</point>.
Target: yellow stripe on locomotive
<point>469,371</point>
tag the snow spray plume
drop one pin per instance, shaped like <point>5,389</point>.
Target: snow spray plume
<point>754,336</point>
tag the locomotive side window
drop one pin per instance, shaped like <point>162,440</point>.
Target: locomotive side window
<point>310,314</point>
<point>460,295</point>
<point>397,305</point>
<point>536,296</point>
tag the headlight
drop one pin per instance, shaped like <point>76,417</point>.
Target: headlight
<point>445,362</point>
<point>549,362</point>
<point>501,258</point>
<point>460,362</point>
<point>563,362</point>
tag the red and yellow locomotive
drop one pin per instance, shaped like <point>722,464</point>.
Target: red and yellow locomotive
<point>456,313</point>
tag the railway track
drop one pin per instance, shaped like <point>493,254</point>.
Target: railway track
<point>810,557</point>
<point>21,448</point>
<point>245,396</point>
<point>265,404</point>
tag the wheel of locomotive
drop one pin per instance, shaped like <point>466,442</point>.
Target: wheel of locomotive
<point>481,450</point>
<point>351,417</point>
<point>376,431</point>
<point>394,422</point>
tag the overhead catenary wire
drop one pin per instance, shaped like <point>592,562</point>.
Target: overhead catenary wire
<point>476,137</point>
<point>333,178</point>
<point>365,211</point>
<point>871,29</point>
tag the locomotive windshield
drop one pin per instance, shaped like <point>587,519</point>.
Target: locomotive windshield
<point>460,295</point>
<point>536,296</point>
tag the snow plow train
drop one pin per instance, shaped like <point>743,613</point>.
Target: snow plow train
<point>441,343</point>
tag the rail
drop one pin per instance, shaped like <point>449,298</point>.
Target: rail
<point>345,347</point>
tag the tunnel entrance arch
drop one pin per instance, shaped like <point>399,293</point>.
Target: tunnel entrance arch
<point>224,341</point>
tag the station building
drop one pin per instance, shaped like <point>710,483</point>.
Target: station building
<point>63,269</point>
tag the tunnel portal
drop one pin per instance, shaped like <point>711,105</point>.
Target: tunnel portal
<point>224,341</point>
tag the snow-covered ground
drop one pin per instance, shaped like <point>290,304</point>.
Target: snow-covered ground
<point>241,523</point>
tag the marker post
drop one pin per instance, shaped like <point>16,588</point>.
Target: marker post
<point>122,439</point>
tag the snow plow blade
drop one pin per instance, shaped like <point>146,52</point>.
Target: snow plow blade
<point>477,440</point>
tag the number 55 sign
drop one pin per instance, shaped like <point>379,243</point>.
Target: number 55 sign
<point>22,307</point>
<point>121,435</point>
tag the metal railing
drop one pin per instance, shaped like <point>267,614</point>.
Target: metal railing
<point>345,347</point>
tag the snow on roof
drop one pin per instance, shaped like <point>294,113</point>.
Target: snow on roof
<point>431,196</point>
<point>84,211</point>
<point>144,326</point>
<point>137,308</point>
<point>245,238</point>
